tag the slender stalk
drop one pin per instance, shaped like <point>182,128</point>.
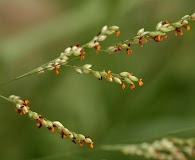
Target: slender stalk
<point>7,99</point>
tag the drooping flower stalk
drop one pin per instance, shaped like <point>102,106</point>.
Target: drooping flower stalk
<point>22,107</point>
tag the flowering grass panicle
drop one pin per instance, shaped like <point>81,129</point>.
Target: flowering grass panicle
<point>169,149</point>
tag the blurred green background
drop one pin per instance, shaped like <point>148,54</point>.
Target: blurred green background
<point>33,32</point>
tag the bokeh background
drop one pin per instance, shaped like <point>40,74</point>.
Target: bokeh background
<point>33,32</point>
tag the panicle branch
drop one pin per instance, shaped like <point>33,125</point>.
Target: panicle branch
<point>78,50</point>
<point>162,28</point>
<point>22,107</point>
<point>121,78</point>
<point>163,149</point>
<point>71,52</point>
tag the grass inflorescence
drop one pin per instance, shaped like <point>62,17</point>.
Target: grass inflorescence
<point>123,78</point>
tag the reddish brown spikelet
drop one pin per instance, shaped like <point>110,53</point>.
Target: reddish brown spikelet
<point>178,30</point>
<point>117,32</point>
<point>109,74</point>
<point>132,86</point>
<point>158,38</point>
<point>128,51</point>
<point>140,82</point>
<point>52,128</point>
<point>123,86</point>
<point>187,27</point>
<point>57,69</point>
<point>97,48</point>
<point>91,145</point>
<point>82,56</point>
